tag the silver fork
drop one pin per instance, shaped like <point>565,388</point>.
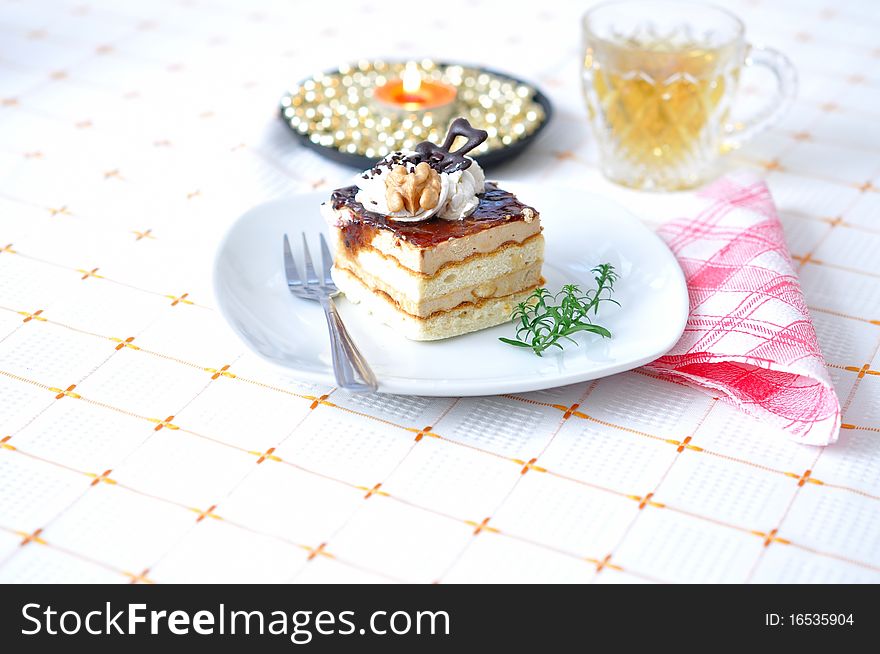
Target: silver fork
<point>349,366</point>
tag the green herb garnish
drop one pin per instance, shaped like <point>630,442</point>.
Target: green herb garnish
<point>544,319</point>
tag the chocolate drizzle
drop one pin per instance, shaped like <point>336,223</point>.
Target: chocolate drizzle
<point>441,159</point>
<point>496,206</point>
<point>437,156</point>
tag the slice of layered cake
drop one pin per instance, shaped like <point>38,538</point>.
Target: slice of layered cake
<point>429,247</point>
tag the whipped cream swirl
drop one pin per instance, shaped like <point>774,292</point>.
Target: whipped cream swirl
<point>459,190</point>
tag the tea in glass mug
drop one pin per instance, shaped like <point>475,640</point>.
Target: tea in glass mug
<point>660,77</point>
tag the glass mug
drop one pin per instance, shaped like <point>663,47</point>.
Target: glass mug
<point>659,80</point>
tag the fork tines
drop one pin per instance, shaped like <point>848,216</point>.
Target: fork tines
<point>291,268</point>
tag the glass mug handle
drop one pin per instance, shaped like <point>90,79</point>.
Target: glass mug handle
<point>786,89</point>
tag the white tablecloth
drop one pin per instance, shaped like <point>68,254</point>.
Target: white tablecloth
<point>140,442</point>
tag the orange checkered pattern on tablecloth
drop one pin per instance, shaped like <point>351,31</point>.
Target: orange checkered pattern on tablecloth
<point>140,443</point>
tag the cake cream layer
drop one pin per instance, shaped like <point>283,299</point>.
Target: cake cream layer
<point>426,305</point>
<point>463,319</point>
<point>454,276</point>
<point>427,246</point>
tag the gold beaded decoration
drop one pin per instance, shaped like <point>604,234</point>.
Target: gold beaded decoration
<point>336,109</point>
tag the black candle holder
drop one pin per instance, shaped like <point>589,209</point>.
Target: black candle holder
<point>334,113</point>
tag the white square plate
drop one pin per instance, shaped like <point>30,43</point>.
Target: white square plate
<point>252,295</point>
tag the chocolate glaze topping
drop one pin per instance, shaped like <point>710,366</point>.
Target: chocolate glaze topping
<point>496,207</point>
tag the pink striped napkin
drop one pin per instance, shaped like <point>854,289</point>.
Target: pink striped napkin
<point>749,334</point>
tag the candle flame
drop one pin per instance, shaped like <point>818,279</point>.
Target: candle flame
<point>412,79</point>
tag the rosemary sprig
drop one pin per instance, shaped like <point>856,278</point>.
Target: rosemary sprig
<point>545,319</point>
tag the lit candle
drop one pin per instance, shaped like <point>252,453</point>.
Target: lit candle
<point>411,93</point>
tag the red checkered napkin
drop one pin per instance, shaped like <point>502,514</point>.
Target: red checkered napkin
<point>749,334</point>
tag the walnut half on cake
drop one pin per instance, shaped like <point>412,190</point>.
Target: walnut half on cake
<point>429,248</point>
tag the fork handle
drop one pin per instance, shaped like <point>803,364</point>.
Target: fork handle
<point>349,366</point>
